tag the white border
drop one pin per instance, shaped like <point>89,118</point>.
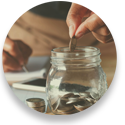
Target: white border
<point>114,106</point>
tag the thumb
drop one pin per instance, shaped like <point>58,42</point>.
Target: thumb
<point>74,17</point>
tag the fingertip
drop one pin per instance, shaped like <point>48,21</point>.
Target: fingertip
<point>79,35</point>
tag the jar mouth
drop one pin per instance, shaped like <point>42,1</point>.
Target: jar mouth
<point>84,49</point>
<point>83,55</point>
<point>80,51</point>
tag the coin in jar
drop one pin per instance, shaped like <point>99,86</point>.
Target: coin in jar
<point>63,107</point>
<point>72,44</point>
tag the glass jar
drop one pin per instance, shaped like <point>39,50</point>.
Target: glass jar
<point>76,79</point>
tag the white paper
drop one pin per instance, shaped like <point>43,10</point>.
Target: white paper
<point>37,67</point>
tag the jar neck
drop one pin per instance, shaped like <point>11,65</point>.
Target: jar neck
<point>82,57</point>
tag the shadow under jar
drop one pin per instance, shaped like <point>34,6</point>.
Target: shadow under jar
<point>76,79</point>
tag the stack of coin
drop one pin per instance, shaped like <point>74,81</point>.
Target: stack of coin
<point>37,104</point>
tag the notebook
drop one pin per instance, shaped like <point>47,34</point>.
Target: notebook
<point>37,67</point>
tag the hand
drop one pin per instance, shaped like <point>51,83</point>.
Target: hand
<point>15,54</point>
<point>92,24</point>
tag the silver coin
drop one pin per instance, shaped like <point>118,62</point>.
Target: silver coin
<point>83,102</point>
<point>95,96</point>
<point>64,98</point>
<point>84,94</point>
<point>63,107</point>
<point>71,102</point>
<point>75,99</point>
<point>81,108</point>
<point>82,105</point>
<point>91,100</point>
<point>76,96</point>
<point>68,95</point>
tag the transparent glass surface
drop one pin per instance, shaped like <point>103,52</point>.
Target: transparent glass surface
<point>74,75</point>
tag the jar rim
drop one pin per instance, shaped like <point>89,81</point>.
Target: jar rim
<point>79,49</point>
<point>81,55</point>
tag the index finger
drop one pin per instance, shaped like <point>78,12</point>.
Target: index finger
<point>75,16</point>
<point>92,23</point>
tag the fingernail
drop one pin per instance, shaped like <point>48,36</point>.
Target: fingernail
<point>71,31</point>
<point>79,35</point>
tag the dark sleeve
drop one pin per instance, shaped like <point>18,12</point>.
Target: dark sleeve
<point>56,10</point>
